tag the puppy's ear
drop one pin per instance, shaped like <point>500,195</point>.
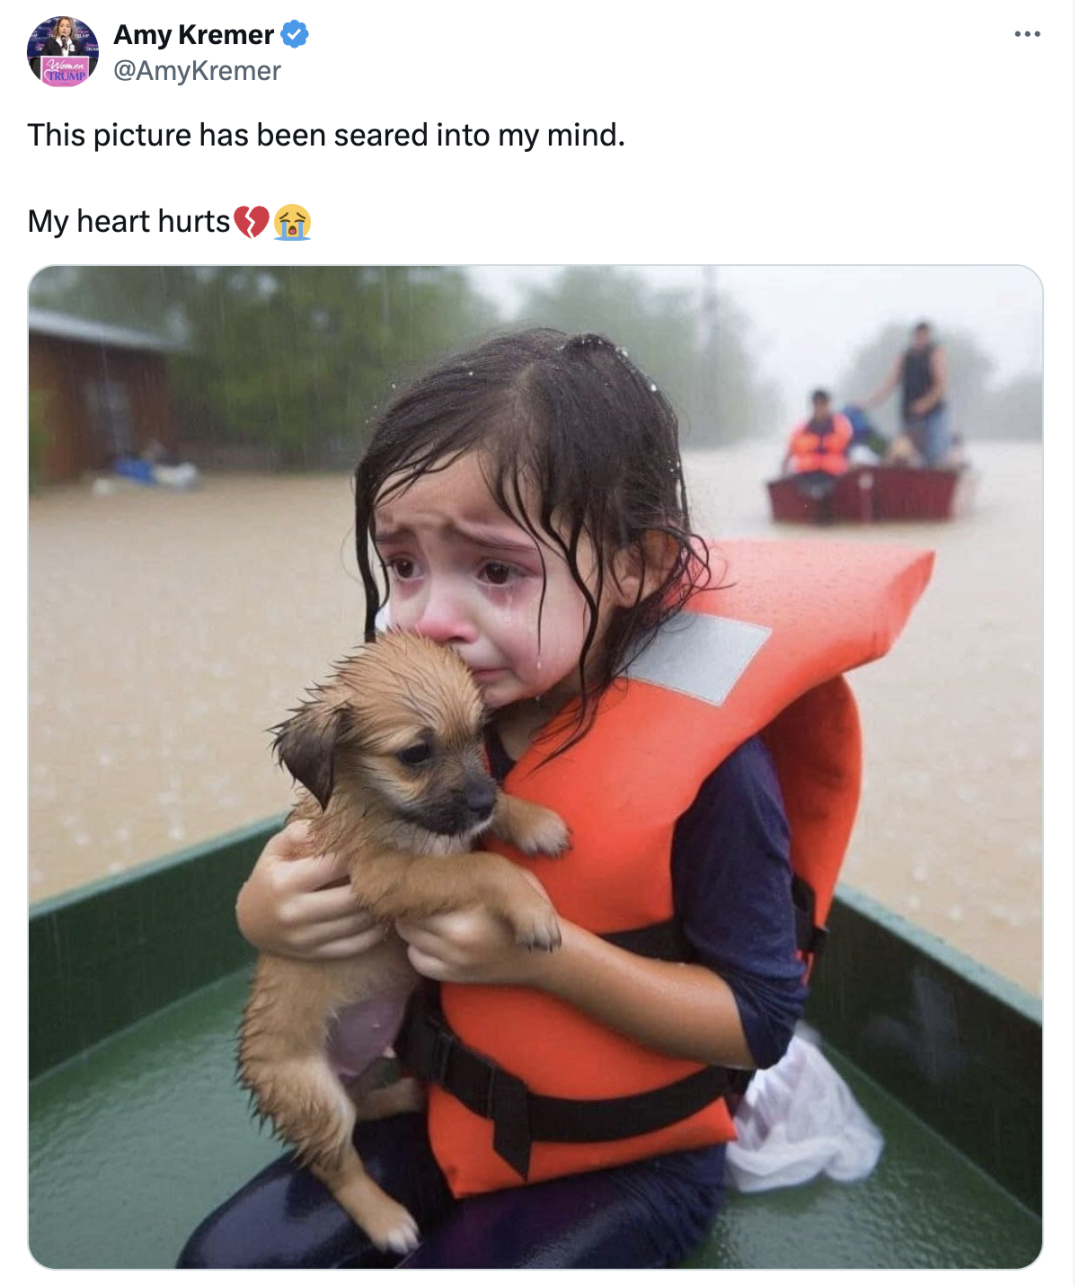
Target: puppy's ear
<point>306,745</point>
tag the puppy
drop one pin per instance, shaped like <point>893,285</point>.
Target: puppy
<point>391,755</point>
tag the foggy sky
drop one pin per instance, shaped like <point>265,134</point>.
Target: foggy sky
<point>804,323</point>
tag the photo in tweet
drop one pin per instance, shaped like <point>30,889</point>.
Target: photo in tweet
<point>763,442</point>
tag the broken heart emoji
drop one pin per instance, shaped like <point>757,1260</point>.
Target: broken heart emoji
<point>251,222</point>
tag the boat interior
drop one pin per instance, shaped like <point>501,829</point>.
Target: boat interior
<point>138,1128</point>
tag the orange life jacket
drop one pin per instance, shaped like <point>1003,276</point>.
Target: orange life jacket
<point>822,452</point>
<point>761,653</point>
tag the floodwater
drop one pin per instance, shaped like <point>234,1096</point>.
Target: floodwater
<point>168,632</point>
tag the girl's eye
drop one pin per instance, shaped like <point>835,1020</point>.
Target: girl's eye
<point>497,573</point>
<point>403,568</point>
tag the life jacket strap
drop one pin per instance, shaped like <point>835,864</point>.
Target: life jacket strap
<point>431,1049</point>
<point>665,940</point>
<point>434,1052</point>
<point>810,940</point>
<point>656,941</point>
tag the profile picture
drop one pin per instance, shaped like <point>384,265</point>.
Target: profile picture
<point>62,52</point>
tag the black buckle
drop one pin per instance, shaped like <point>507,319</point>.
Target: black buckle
<point>810,939</point>
<point>424,1044</point>
<point>427,1046</point>
<point>441,1046</point>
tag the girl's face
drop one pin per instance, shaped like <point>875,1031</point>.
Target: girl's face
<point>463,573</point>
<point>64,28</point>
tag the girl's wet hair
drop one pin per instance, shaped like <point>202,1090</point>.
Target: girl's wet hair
<point>576,443</point>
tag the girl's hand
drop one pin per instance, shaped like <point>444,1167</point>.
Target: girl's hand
<point>685,1010</point>
<point>299,903</point>
<point>470,945</point>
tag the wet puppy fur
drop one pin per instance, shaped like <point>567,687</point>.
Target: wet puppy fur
<point>390,754</point>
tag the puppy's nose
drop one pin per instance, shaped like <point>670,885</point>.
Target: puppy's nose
<point>480,798</point>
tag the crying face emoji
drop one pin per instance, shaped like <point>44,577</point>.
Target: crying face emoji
<point>292,223</point>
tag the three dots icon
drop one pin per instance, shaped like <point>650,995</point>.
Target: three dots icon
<point>1029,33</point>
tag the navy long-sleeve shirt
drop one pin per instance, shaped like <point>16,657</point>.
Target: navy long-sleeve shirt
<point>731,885</point>
<point>731,876</point>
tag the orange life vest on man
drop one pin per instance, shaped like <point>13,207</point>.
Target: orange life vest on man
<point>812,451</point>
<point>760,651</point>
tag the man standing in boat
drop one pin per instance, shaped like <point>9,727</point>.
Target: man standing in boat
<point>817,450</point>
<point>920,373</point>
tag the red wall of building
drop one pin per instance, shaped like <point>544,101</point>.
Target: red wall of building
<point>67,374</point>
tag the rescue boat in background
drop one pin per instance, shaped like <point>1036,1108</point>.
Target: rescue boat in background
<point>873,493</point>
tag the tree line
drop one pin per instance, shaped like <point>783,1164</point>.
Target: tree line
<point>299,360</point>
<point>296,362</point>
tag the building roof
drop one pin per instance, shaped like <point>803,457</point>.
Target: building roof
<point>80,330</point>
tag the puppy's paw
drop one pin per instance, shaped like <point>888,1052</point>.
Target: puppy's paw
<point>538,929</point>
<point>546,835</point>
<point>530,827</point>
<point>391,1226</point>
<point>404,1238</point>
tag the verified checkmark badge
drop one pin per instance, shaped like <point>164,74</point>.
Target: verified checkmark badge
<point>294,34</point>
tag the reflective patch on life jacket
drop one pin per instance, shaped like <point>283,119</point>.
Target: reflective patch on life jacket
<point>700,656</point>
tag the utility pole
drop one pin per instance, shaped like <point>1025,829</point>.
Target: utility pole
<point>710,311</point>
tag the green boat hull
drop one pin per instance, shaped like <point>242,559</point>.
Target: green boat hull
<point>137,1128</point>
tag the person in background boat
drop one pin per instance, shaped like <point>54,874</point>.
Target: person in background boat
<point>818,448</point>
<point>920,373</point>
